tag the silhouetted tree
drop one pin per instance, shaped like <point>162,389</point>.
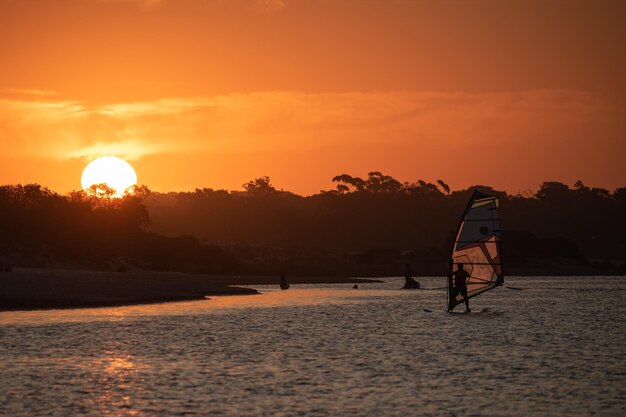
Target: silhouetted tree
<point>138,190</point>
<point>620,195</point>
<point>377,182</point>
<point>580,186</point>
<point>423,188</point>
<point>346,182</point>
<point>553,190</point>
<point>101,190</point>
<point>261,185</point>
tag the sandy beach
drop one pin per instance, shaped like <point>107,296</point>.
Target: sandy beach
<point>25,289</point>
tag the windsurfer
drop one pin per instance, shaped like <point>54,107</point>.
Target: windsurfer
<point>409,282</point>
<point>460,284</point>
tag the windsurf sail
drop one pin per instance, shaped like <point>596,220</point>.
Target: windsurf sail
<point>477,247</point>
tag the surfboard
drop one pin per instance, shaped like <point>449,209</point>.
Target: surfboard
<point>462,313</point>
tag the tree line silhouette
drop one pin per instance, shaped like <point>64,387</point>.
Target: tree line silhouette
<point>371,225</point>
<point>365,226</point>
<point>89,229</point>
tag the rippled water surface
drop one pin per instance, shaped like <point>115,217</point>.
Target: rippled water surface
<point>555,347</point>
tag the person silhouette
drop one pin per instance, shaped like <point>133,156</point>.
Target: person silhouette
<point>460,284</point>
<point>283,282</point>
<point>409,282</point>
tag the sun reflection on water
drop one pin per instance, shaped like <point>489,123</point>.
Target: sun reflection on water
<point>269,297</point>
<point>115,385</point>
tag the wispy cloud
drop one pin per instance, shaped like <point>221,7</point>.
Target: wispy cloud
<point>265,121</point>
<point>141,3</point>
<point>271,5</point>
<point>27,92</point>
<point>128,149</point>
<point>262,5</point>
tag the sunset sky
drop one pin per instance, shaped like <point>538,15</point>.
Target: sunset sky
<point>213,93</point>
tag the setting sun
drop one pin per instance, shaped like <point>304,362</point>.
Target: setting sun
<point>110,170</point>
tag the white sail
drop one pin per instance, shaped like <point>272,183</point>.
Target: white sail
<point>477,247</point>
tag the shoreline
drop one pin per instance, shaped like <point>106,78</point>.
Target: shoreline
<point>26,289</point>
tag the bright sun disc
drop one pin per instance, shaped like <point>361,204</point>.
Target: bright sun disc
<point>110,170</point>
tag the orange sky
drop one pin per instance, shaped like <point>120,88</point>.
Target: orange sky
<point>212,93</point>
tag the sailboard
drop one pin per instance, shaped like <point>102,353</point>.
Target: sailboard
<point>477,247</point>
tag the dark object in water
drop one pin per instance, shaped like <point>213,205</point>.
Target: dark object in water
<point>283,283</point>
<point>355,287</point>
<point>409,282</point>
<point>5,267</point>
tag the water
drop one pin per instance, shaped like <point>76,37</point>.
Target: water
<point>557,347</point>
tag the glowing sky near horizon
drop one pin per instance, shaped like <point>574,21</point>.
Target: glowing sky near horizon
<point>211,93</point>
